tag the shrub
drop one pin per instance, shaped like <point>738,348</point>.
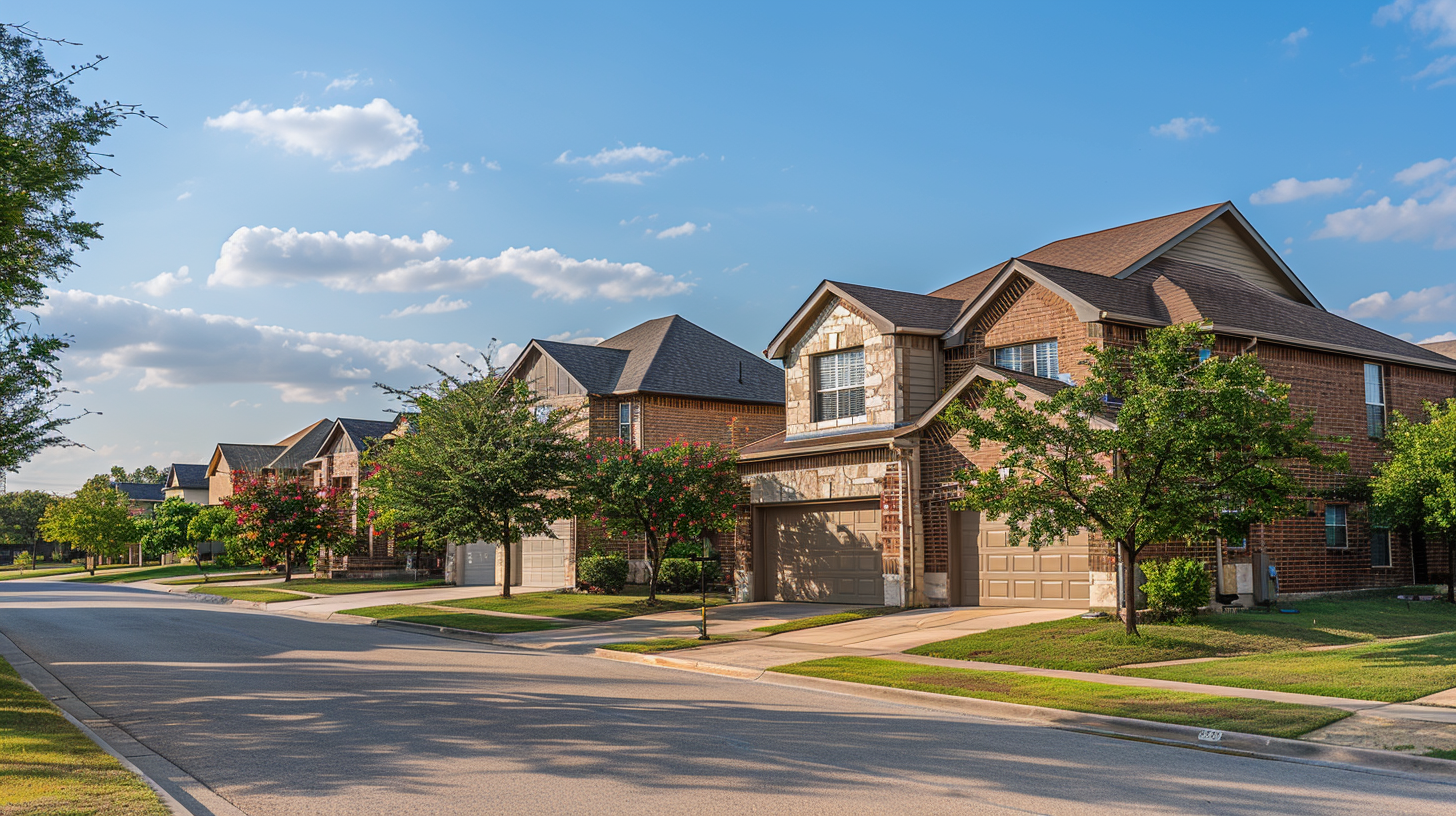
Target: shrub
<point>681,574</point>
<point>24,561</point>
<point>602,572</point>
<point>1176,588</point>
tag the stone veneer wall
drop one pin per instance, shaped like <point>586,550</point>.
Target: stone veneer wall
<point>838,327</point>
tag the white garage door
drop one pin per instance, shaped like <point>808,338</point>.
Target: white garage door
<point>825,552</point>
<point>1020,576</point>
<point>477,566</point>
<point>543,558</point>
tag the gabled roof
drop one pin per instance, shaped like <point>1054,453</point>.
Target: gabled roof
<point>140,491</point>
<point>243,457</point>
<point>966,289</point>
<point>362,430</point>
<point>188,476</point>
<point>1445,347</point>
<point>305,446</point>
<point>1111,251</point>
<point>892,312</point>
<point>669,355</point>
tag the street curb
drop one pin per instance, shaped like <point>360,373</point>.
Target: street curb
<point>440,631</point>
<point>1365,760</point>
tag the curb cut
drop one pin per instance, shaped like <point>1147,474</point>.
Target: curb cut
<point>1365,760</point>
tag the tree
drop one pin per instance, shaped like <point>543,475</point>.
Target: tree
<point>1199,449</point>
<point>96,520</point>
<point>282,517</point>
<point>20,515</point>
<point>485,461</point>
<point>165,531</point>
<point>142,475</point>
<point>680,492</point>
<point>1415,489</point>
<point>213,523</point>
<point>48,140</point>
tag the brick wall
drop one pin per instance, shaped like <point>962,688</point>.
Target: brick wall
<point>1036,316</point>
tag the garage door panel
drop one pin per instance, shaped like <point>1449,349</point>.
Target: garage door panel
<point>994,588</point>
<point>1080,590</point>
<point>1023,590</point>
<point>997,563</point>
<point>826,553</point>
<point>1077,563</point>
<point>1023,563</point>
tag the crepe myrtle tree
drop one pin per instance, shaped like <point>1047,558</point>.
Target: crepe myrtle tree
<point>97,521</point>
<point>1163,442</point>
<point>484,459</point>
<point>1415,489</point>
<point>280,517</point>
<point>680,492</point>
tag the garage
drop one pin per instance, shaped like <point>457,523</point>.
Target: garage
<point>543,558</point>
<point>1054,576</point>
<point>476,564</point>
<point>827,553</point>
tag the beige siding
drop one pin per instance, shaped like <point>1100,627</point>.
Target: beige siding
<point>550,379</point>
<point>916,363</point>
<point>1220,246</point>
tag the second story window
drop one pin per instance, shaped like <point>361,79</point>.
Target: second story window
<point>1335,530</point>
<point>839,385</point>
<point>1037,359</point>
<point>624,422</point>
<point>1375,400</point>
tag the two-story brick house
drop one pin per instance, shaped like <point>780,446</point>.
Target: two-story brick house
<point>851,502</point>
<point>334,464</point>
<point>662,380</point>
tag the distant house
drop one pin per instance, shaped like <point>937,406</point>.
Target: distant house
<point>186,482</point>
<point>1446,347</point>
<point>141,499</point>
<point>336,465</point>
<point>286,456</point>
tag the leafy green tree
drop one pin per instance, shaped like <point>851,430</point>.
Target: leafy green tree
<point>481,463</point>
<point>97,521</point>
<point>211,524</point>
<point>142,475</point>
<point>48,140</point>
<point>281,518</point>
<point>1415,489</point>
<point>1197,447</point>
<point>165,531</point>
<point>20,515</point>
<point>677,493</point>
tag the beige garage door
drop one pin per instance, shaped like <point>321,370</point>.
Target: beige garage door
<point>828,553</point>
<point>1020,576</point>
<point>543,558</point>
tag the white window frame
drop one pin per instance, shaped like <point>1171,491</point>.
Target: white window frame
<point>1384,533</point>
<point>1343,526</point>
<point>1037,359</point>
<point>624,422</point>
<point>1375,411</point>
<point>846,382</point>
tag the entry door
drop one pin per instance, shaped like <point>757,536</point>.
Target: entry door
<point>1054,576</point>
<point>964,579</point>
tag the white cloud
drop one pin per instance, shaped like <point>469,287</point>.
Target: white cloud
<point>687,228</point>
<point>453,185</point>
<point>178,348</point>
<point>1296,37</point>
<point>657,158</point>
<point>492,165</point>
<point>1441,338</point>
<point>1420,171</point>
<point>580,340</point>
<point>366,262</point>
<point>440,305</point>
<point>637,218</point>
<point>372,136</point>
<point>634,177</point>
<point>185,196</point>
<point>347,83</point>
<point>1180,128</point>
<point>1420,306</point>
<point>1292,189</point>
<point>1411,220</point>
<point>163,284</point>
<point>1435,17</point>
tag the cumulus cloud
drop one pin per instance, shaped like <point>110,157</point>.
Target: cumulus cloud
<point>492,165</point>
<point>1420,306</point>
<point>176,348</point>
<point>1296,37</point>
<point>575,337</point>
<point>1441,338</point>
<point>375,135</point>
<point>1433,17</point>
<point>1410,220</point>
<point>1420,171</point>
<point>440,305</point>
<point>1184,128</point>
<point>687,228</point>
<point>163,284</point>
<point>366,262</point>
<point>655,158</point>
<point>185,196</point>
<point>1284,191</point>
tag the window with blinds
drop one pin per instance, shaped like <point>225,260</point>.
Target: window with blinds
<point>1038,359</point>
<point>1375,400</point>
<point>839,385</point>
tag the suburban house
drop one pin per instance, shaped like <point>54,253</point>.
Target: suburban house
<point>335,464</point>
<point>141,499</point>
<point>187,482</point>
<point>1446,347</point>
<point>288,455</point>
<point>850,502</point>
<point>663,380</point>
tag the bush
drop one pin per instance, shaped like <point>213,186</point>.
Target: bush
<point>24,561</point>
<point>602,572</point>
<point>1176,588</point>
<point>681,575</point>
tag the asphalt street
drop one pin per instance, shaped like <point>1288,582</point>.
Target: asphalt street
<point>282,715</point>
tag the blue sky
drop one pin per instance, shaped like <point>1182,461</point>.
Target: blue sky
<point>714,161</point>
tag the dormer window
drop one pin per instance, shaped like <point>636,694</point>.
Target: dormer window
<point>839,385</point>
<point>1037,359</point>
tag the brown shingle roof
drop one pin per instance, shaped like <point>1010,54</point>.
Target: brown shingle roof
<point>968,289</point>
<point>777,445</point>
<point>1111,251</point>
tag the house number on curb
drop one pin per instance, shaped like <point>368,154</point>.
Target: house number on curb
<point>1210,735</point>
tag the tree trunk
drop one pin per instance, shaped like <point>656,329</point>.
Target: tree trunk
<point>654,563</point>
<point>287,565</point>
<point>91,563</point>
<point>506,558</point>
<point>1451,566</point>
<point>1129,585</point>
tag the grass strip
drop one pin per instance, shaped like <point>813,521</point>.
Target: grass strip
<point>36,573</point>
<point>495,624</point>
<point>829,620</point>
<point>581,606</point>
<point>257,594</point>
<point>1441,753</point>
<point>219,579</point>
<point>1395,672</point>
<point>1157,705</point>
<point>172,571</point>
<point>654,645</point>
<point>47,766</point>
<point>340,586</point>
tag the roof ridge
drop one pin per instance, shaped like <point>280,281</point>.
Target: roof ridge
<point>1209,207</point>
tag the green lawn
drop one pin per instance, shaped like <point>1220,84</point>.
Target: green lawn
<point>828,620</point>
<point>1390,672</point>
<point>9,575</point>
<point>674,644</point>
<point>1096,645</point>
<point>151,573</point>
<point>218,579</point>
<point>495,624</point>
<point>338,586</point>
<point>1441,753</point>
<point>47,766</point>
<point>258,594</point>
<point>585,607</point>
<point>1201,710</point>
